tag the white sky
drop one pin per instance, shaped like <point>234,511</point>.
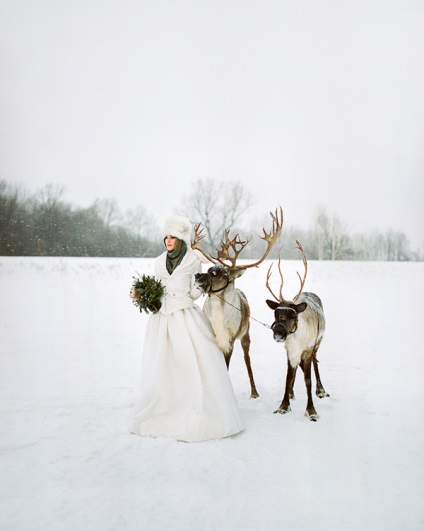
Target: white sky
<point>306,102</point>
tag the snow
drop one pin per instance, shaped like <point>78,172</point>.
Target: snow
<point>70,353</point>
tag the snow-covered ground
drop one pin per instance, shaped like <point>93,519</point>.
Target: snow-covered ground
<point>70,351</point>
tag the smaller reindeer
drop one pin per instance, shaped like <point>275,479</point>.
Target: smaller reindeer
<point>226,307</point>
<point>300,325</point>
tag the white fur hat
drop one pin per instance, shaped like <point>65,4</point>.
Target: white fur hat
<point>179,227</point>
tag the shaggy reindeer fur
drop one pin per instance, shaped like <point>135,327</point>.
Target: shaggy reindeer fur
<point>300,326</point>
<point>228,311</point>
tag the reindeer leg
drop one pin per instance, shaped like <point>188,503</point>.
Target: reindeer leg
<point>310,409</point>
<point>245,343</point>
<point>291,392</point>
<point>290,377</point>
<point>319,391</point>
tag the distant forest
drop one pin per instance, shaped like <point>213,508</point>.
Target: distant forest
<point>43,224</point>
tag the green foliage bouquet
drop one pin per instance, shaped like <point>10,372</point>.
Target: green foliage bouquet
<point>146,293</point>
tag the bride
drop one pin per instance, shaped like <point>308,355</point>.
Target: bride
<point>185,392</point>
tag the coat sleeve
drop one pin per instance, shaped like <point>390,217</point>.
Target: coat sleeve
<point>195,292</point>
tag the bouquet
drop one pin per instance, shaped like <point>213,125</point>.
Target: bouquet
<point>146,293</point>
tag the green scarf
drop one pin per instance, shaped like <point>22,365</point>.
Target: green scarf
<point>173,258</point>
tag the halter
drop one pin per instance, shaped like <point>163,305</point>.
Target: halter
<point>219,289</point>
<point>274,324</point>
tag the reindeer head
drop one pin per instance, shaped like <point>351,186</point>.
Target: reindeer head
<point>217,278</point>
<point>225,271</point>
<point>286,312</point>
<point>285,318</point>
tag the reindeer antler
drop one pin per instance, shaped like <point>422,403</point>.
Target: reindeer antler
<point>231,248</point>
<point>236,245</point>
<point>305,265</point>
<point>302,281</point>
<point>268,276</point>
<point>270,237</point>
<point>198,235</point>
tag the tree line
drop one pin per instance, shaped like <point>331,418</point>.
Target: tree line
<point>43,224</point>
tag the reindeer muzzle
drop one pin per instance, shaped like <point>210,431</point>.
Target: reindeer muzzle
<point>280,332</point>
<point>203,281</point>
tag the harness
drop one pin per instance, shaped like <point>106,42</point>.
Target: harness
<point>219,289</point>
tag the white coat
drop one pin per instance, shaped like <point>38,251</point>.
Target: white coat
<point>180,292</point>
<point>185,392</point>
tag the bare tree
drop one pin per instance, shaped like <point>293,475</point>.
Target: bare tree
<point>388,246</point>
<point>51,220</point>
<point>12,219</point>
<point>9,201</point>
<point>50,196</point>
<point>135,219</point>
<point>108,211</point>
<point>217,205</point>
<point>398,246</point>
<point>332,238</point>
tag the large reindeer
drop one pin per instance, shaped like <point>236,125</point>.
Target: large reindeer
<point>300,325</point>
<point>226,307</point>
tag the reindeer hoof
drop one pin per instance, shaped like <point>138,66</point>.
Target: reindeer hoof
<point>322,394</point>
<point>283,410</point>
<point>312,416</point>
<point>254,394</point>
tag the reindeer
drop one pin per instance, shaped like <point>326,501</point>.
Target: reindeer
<point>226,307</point>
<point>300,324</point>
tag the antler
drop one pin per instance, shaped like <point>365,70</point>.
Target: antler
<point>270,237</point>
<point>231,248</point>
<point>305,265</point>
<point>198,235</point>
<point>302,281</point>
<point>236,245</point>
<point>268,276</point>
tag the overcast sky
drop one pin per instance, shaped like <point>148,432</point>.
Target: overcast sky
<point>306,102</point>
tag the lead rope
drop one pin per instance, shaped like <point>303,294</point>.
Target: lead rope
<point>229,303</point>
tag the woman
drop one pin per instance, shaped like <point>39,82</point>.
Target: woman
<point>185,392</point>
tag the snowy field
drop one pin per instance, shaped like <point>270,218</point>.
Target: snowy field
<point>70,352</point>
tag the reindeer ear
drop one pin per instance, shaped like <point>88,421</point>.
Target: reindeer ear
<point>235,273</point>
<point>272,304</point>
<point>301,307</point>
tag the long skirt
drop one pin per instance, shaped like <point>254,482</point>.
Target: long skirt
<point>185,392</point>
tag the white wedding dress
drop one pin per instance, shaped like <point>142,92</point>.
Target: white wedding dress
<point>185,392</point>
